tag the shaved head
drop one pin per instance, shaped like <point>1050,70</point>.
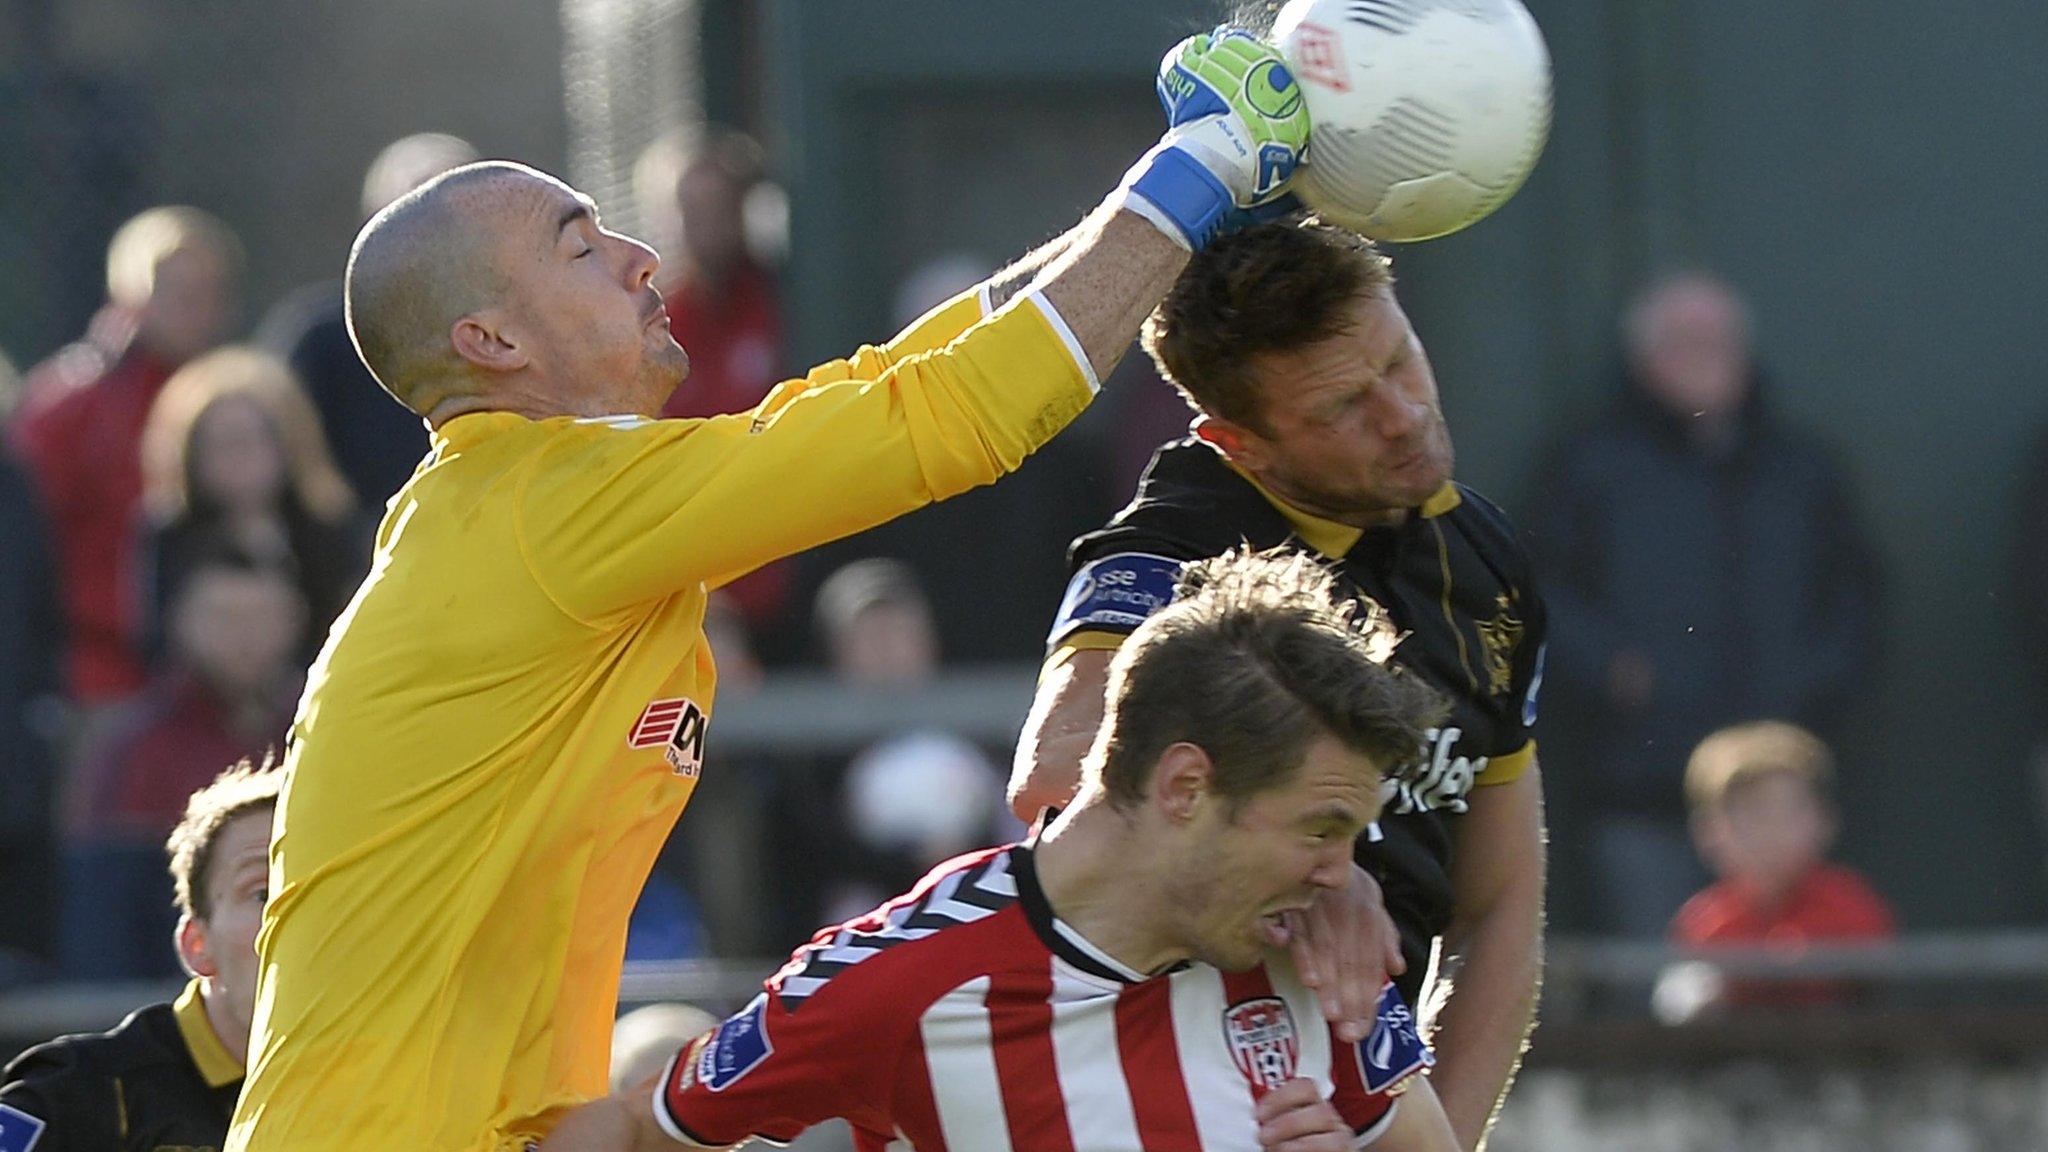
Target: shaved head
<point>494,287</point>
<point>428,259</point>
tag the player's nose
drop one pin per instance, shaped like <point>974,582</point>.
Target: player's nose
<point>1394,416</point>
<point>641,263</point>
<point>1333,866</point>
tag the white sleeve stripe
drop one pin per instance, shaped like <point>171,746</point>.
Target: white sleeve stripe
<point>1059,325</point>
<point>673,1128</point>
<point>1377,1128</point>
<point>661,1116</point>
<point>981,297</point>
<point>1152,214</point>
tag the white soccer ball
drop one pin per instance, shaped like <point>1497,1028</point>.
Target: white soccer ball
<point>1425,115</point>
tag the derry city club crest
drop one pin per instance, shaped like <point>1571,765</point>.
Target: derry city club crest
<point>1262,1041</point>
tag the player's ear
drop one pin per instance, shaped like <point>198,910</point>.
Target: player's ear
<point>484,339</point>
<point>1231,439</point>
<point>1180,780</point>
<point>194,948</point>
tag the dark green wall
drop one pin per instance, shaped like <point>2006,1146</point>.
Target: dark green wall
<point>1867,176</point>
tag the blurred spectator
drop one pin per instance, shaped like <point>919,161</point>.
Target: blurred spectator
<point>724,305</point>
<point>233,459</point>
<point>1705,565</point>
<point>848,832</point>
<point>31,634</point>
<point>725,309</point>
<point>877,626</point>
<point>167,1077</point>
<point>1763,820</point>
<point>376,441</point>
<point>911,802</point>
<point>171,288</point>
<point>236,629</point>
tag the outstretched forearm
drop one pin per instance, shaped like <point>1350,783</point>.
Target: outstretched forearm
<point>1115,268</point>
<point>1484,1026</point>
<point>1494,949</point>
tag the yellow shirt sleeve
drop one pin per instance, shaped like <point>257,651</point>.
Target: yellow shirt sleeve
<point>1087,640</point>
<point>619,512</point>
<point>929,332</point>
<point>1509,768</point>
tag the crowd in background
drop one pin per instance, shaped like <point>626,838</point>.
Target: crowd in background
<point>184,512</point>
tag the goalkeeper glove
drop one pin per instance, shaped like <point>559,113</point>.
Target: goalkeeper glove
<point>1237,128</point>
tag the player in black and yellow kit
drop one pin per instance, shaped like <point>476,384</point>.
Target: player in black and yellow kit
<point>166,1078</point>
<point>1320,428</point>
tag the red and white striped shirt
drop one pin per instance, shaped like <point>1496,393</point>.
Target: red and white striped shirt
<point>964,1017</point>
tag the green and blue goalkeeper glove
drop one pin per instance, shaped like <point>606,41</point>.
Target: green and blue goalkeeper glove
<point>1237,128</point>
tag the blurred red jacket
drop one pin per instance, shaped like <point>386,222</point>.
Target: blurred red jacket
<point>80,434</point>
<point>1831,904</point>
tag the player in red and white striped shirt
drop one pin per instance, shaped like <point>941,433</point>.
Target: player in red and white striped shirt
<point>1120,984</point>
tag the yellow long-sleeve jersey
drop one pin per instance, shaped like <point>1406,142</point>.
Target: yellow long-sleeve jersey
<point>508,719</point>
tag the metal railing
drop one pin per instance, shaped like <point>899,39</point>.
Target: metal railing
<point>2016,960</point>
<point>801,713</point>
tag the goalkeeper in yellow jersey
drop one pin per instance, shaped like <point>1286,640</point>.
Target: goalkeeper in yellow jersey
<point>507,720</point>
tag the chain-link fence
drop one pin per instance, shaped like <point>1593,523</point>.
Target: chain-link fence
<point>629,74</point>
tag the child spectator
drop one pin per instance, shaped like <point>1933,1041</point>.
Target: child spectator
<point>233,458</point>
<point>1763,821</point>
<point>226,693</point>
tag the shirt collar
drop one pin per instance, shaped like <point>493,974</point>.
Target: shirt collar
<point>1329,537</point>
<point>471,428</point>
<point>1062,938</point>
<point>216,1065</point>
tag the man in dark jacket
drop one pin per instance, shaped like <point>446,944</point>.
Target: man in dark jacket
<point>376,442</point>
<point>1704,565</point>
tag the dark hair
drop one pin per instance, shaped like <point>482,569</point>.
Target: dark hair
<point>872,583</point>
<point>1258,656</point>
<point>246,787</point>
<point>1266,289</point>
<point>1256,17</point>
<point>208,553</point>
